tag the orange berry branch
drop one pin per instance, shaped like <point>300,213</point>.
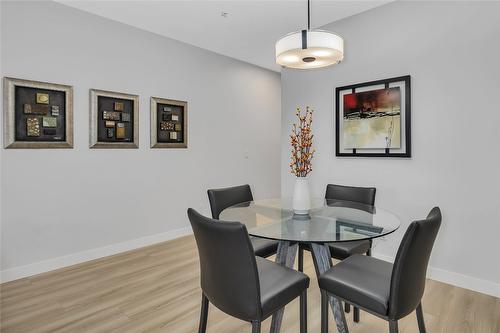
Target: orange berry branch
<point>301,141</point>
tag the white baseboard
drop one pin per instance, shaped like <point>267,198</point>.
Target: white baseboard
<point>456,279</point>
<point>76,258</point>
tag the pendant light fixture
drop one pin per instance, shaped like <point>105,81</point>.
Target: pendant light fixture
<point>309,48</point>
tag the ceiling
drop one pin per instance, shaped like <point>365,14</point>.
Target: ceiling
<point>248,32</point>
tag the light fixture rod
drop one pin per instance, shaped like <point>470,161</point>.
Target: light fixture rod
<point>308,15</point>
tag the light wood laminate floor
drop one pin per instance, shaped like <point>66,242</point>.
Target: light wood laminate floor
<point>156,289</point>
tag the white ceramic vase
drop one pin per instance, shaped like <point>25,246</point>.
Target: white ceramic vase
<point>301,197</point>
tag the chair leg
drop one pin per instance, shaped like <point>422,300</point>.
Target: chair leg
<point>356,314</point>
<point>420,319</point>
<point>203,315</point>
<point>369,252</point>
<point>324,312</point>
<point>393,326</point>
<point>301,259</point>
<point>303,312</point>
<point>347,309</point>
<point>256,326</point>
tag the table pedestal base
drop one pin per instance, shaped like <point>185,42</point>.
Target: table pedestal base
<point>284,257</point>
<point>322,262</point>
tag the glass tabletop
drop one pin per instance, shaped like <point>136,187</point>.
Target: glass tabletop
<point>328,221</point>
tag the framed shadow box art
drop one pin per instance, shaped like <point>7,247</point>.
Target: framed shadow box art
<point>373,119</point>
<point>168,123</point>
<point>114,120</point>
<point>37,114</point>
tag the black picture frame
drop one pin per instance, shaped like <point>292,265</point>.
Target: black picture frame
<point>406,153</point>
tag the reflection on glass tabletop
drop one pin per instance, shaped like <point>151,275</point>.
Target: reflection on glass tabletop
<point>328,220</point>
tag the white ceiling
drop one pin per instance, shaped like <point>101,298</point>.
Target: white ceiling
<point>248,33</point>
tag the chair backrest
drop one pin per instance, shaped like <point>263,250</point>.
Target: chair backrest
<point>222,198</point>
<point>229,276</point>
<point>410,265</point>
<point>365,195</point>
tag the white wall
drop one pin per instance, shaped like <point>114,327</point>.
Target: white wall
<point>452,52</point>
<point>61,202</point>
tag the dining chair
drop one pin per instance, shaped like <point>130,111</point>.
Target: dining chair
<point>239,283</point>
<point>389,291</point>
<point>364,195</point>
<point>342,250</point>
<point>223,198</point>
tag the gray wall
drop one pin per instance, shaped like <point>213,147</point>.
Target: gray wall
<point>61,202</point>
<point>452,52</point>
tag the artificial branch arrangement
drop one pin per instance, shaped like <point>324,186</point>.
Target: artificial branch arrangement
<point>301,141</point>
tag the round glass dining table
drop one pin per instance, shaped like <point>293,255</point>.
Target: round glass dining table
<point>328,221</point>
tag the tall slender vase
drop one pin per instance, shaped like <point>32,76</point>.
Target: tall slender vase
<point>301,196</point>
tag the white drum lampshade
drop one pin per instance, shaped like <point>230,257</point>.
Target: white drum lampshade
<point>309,49</point>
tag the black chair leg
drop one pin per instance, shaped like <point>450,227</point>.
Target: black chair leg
<point>324,312</point>
<point>347,307</point>
<point>301,259</point>
<point>356,315</point>
<point>303,312</point>
<point>393,326</point>
<point>420,318</point>
<point>255,326</point>
<point>203,315</point>
<point>369,252</point>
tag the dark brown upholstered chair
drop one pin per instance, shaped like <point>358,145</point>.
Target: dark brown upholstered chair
<point>389,291</point>
<point>222,198</point>
<point>239,283</point>
<point>342,250</point>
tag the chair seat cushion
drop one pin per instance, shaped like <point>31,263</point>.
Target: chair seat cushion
<point>362,280</point>
<point>278,285</point>
<point>264,247</point>
<point>342,250</point>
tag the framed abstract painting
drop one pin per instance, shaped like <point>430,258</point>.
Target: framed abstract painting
<point>373,119</point>
<point>37,114</point>
<point>169,127</point>
<point>114,119</point>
